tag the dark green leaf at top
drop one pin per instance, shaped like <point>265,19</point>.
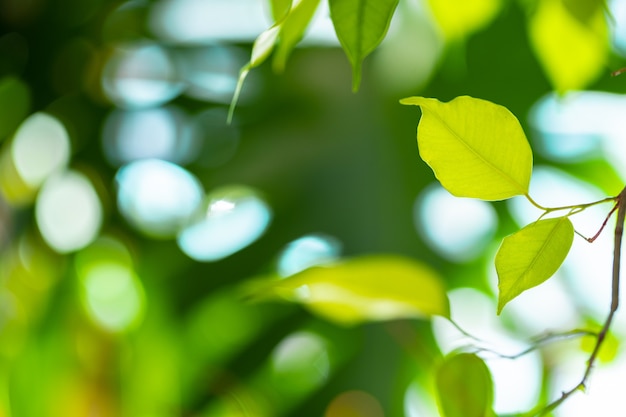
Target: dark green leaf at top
<point>361,25</point>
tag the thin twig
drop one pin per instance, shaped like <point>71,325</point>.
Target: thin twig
<point>577,207</point>
<point>619,231</point>
<point>538,342</point>
<point>606,220</point>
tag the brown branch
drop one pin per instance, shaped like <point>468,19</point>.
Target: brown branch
<point>617,248</point>
<point>606,220</point>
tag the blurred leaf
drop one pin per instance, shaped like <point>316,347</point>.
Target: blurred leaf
<point>261,49</point>
<point>280,8</point>
<point>292,30</point>
<point>457,19</point>
<point>361,25</point>
<point>476,148</point>
<point>376,287</point>
<point>532,255</point>
<point>583,10</point>
<point>464,387</point>
<point>14,104</point>
<point>572,52</point>
<point>608,350</point>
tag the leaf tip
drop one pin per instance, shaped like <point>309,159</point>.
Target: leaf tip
<point>501,305</point>
<point>410,101</point>
<point>356,78</point>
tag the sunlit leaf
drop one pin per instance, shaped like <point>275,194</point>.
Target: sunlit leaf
<point>292,30</point>
<point>532,255</point>
<point>380,287</point>
<point>361,25</point>
<point>262,48</point>
<point>457,19</point>
<point>573,52</point>
<point>280,8</point>
<point>464,387</point>
<point>476,148</point>
<point>609,349</point>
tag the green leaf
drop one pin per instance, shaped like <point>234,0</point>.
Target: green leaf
<point>573,52</point>
<point>464,387</point>
<point>457,19</point>
<point>290,26</point>
<point>292,30</point>
<point>280,8</point>
<point>361,25</point>
<point>262,47</point>
<point>584,10</point>
<point>475,148</point>
<point>369,288</point>
<point>531,256</point>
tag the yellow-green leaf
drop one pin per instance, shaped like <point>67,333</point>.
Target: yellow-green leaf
<point>292,29</point>
<point>532,255</point>
<point>280,8</point>
<point>609,349</point>
<point>572,51</point>
<point>361,25</point>
<point>464,387</point>
<point>369,288</point>
<point>475,148</point>
<point>457,19</point>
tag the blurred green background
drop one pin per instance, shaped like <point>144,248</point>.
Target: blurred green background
<point>131,213</point>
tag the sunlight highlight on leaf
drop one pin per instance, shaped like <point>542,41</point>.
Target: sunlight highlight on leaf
<point>361,25</point>
<point>476,148</point>
<point>292,30</point>
<point>572,52</point>
<point>464,387</point>
<point>369,288</point>
<point>532,255</point>
<point>457,19</point>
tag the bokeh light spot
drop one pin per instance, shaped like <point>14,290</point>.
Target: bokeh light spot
<point>160,133</point>
<point>199,21</point>
<point>157,197</point>
<point>580,126</point>
<point>142,75</point>
<point>68,212</point>
<point>234,217</point>
<point>458,229</point>
<point>211,72</point>
<point>113,295</point>
<point>41,147</point>
<point>354,404</point>
<point>302,360</point>
<point>307,251</point>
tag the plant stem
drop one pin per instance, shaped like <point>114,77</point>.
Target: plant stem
<point>577,208</point>
<point>537,343</point>
<point>617,248</point>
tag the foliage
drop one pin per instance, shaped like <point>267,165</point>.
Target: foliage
<point>124,316</point>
